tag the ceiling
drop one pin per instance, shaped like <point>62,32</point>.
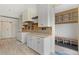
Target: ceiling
<point>13,10</point>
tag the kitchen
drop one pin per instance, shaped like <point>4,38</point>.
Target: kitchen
<point>36,29</point>
<point>39,29</point>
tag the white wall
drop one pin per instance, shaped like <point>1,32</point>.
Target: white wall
<point>66,30</point>
<point>63,7</point>
<point>19,29</point>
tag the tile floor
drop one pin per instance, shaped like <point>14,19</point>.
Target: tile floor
<point>14,47</point>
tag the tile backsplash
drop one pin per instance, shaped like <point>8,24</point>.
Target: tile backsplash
<point>47,30</point>
<point>35,28</point>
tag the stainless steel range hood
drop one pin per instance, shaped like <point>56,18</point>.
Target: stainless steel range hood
<point>35,19</point>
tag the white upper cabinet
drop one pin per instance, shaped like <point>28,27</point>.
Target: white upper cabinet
<point>29,13</point>
<point>45,15</point>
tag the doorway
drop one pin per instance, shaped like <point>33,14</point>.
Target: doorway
<point>7,28</point>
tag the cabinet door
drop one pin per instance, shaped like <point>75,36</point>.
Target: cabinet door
<point>75,16</point>
<point>56,19</point>
<point>24,16</point>
<point>65,18</point>
<point>60,20</point>
<point>43,15</point>
<point>70,17</point>
<point>29,13</point>
<point>6,29</point>
<point>32,11</point>
<point>40,46</point>
<point>34,44</point>
<point>30,42</point>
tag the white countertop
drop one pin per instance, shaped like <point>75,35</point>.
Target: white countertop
<point>39,35</point>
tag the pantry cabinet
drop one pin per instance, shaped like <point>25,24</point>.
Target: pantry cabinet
<point>69,16</point>
<point>44,12</point>
<point>29,13</point>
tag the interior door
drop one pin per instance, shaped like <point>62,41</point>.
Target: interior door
<point>6,29</point>
<point>40,46</point>
<point>3,29</point>
<point>9,29</point>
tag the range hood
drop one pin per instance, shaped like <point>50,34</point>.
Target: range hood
<point>36,17</point>
<point>33,20</point>
<point>29,22</point>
